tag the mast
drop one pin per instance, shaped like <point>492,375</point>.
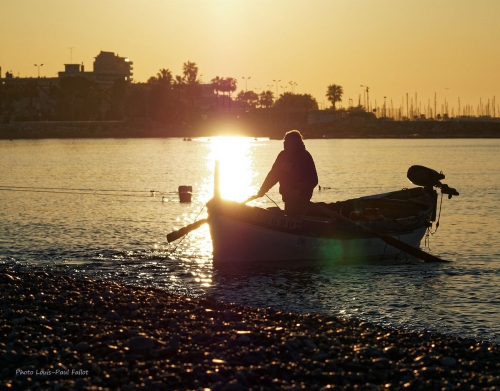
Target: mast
<point>216,180</point>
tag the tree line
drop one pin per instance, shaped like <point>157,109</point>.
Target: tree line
<point>165,97</point>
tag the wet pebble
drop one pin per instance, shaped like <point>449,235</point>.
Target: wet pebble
<point>131,338</point>
<point>82,347</point>
<point>448,361</point>
<point>18,321</point>
<point>140,343</point>
<point>112,315</point>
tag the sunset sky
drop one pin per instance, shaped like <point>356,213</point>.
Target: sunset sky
<point>395,47</point>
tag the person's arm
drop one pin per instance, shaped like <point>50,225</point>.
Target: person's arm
<point>271,179</point>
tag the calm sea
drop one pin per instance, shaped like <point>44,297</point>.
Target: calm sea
<point>86,207</point>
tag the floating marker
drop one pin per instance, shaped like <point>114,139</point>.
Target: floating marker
<point>185,193</point>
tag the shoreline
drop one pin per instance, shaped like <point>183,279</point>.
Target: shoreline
<point>339,129</point>
<point>64,332</point>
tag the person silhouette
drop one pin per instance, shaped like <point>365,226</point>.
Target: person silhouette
<point>295,171</point>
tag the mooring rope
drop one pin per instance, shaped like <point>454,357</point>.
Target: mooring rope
<point>78,191</point>
<point>439,216</point>
<point>69,189</point>
<point>73,193</point>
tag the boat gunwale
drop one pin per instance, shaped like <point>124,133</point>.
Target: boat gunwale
<point>313,226</point>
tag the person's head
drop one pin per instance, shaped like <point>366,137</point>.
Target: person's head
<point>293,140</point>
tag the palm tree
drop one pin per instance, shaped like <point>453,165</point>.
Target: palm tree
<point>223,87</point>
<point>178,83</point>
<point>227,84</point>
<point>164,76</point>
<point>232,85</point>
<point>217,86</point>
<point>334,94</point>
<point>190,71</point>
<point>266,99</point>
<point>160,95</point>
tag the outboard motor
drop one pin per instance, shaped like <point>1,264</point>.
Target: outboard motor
<point>423,176</point>
<point>429,178</point>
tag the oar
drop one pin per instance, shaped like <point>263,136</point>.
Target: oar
<point>185,230</point>
<point>172,236</point>
<point>417,253</point>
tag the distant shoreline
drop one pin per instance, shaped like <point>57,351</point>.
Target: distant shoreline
<point>340,129</point>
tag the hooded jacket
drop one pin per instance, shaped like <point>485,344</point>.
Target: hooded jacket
<point>296,173</point>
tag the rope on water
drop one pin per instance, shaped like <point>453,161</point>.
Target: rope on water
<point>74,193</point>
<point>78,191</point>
<point>70,189</point>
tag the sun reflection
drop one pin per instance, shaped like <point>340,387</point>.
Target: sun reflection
<point>238,180</point>
<point>236,166</point>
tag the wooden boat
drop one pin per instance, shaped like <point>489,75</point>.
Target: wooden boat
<point>371,226</point>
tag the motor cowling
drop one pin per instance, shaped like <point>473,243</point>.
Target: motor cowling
<point>423,176</point>
<point>429,178</point>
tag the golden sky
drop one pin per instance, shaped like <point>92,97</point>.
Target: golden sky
<point>395,47</point>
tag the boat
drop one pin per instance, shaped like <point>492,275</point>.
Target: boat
<point>378,225</point>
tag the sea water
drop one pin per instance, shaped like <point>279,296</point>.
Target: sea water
<point>102,208</point>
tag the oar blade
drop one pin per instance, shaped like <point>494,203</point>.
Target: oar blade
<point>405,247</point>
<point>173,236</point>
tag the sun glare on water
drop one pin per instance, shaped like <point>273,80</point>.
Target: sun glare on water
<point>237,182</point>
<point>236,172</point>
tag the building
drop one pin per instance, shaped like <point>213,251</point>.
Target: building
<point>108,68</point>
<point>31,97</point>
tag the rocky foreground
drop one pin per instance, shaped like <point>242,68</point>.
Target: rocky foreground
<point>58,332</point>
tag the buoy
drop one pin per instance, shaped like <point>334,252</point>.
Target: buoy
<point>185,193</point>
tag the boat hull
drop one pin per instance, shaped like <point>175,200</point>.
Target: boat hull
<point>242,233</point>
<point>238,241</point>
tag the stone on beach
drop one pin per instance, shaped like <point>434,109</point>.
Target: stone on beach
<point>91,334</point>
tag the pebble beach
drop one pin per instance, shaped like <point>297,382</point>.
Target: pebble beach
<point>60,332</point>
